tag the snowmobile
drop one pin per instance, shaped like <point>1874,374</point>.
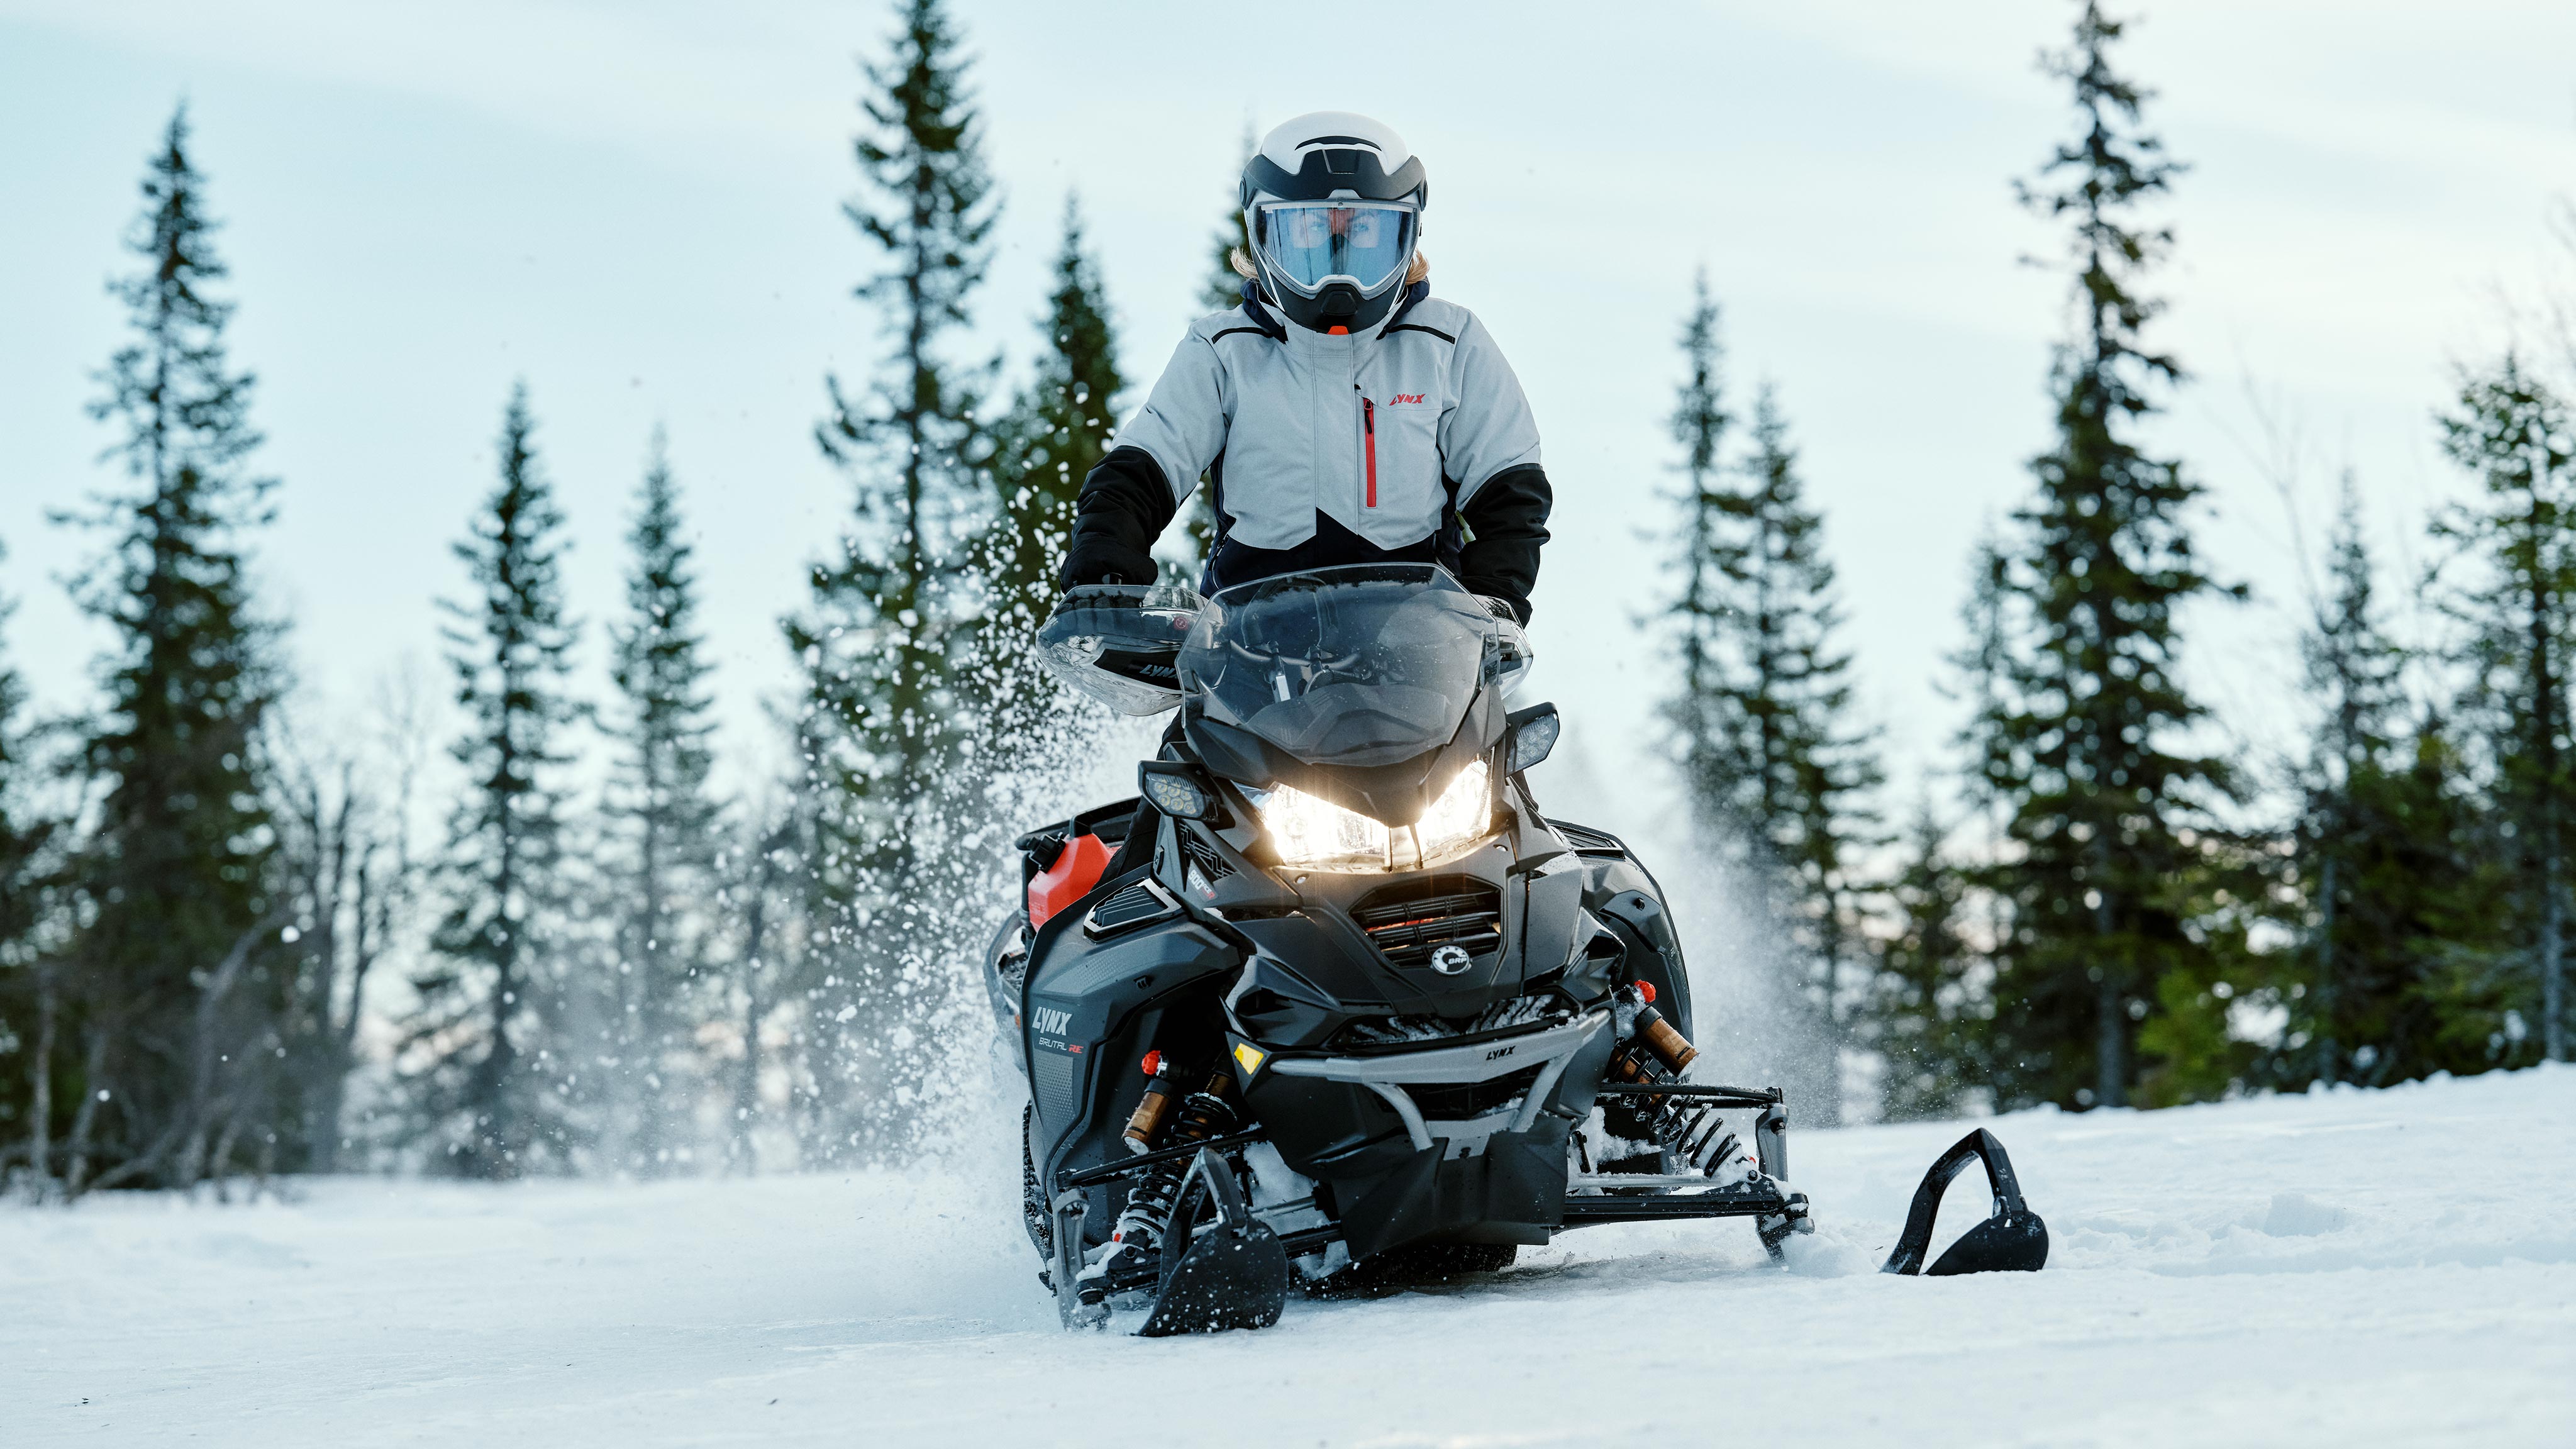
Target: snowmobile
<point>1331,1001</point>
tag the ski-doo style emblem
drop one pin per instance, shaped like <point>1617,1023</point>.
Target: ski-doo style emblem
<point>1449,960</point>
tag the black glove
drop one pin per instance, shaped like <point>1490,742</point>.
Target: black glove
<point>1100,559</point>
<point>1122,510</point>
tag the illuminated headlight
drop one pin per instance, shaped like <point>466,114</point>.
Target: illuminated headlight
<point>1315,834</point>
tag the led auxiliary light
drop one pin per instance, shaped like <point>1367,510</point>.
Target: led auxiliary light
<point>1310,833</point>
<point>1172,790</point>
<point>1534,731</point>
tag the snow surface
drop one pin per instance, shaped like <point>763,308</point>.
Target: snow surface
<point>2392,1267</point>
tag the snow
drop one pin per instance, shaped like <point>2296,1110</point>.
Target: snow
<point>2394,1267</point>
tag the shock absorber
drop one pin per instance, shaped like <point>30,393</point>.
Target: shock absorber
<point>1654,1051</point>
<point>1161,1086</point>
<point>1203,1116</point>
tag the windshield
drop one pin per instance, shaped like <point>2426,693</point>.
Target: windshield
<point>1360,666</point>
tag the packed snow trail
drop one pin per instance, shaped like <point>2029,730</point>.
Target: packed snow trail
<point>2391,1267</point>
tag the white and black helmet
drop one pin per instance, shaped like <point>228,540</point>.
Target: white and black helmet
<point>1333,204</point>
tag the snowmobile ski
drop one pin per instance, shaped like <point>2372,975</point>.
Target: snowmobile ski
<point>2013,1240</point>
<point>1228,1273</point>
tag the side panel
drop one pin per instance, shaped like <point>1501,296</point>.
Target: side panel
<point>1626,899</point>
<point>1093,1009</point>
<point>1552,915</point>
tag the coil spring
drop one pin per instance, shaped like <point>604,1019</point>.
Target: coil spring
<point>1204,1117</point>
<point>1696,1134</point>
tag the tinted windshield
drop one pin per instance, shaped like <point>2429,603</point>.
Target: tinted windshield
<point>1360,666</point>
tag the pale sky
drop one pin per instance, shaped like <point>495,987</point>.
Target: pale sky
<point>634,206</point>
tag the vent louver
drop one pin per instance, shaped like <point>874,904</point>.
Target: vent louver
<point>1140,904</point>
<point>1408,922</point>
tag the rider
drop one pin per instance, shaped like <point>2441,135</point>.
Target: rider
<point>1342,414</point>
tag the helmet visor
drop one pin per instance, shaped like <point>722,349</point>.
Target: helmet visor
<point>1310,243</point>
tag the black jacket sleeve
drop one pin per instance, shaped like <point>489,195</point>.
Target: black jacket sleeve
<point>1125,503</point>
<point>1506,522</point>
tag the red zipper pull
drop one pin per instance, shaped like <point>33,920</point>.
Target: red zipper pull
<point>1368,425</point>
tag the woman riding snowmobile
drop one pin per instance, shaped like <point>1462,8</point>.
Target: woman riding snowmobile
<point>1335,926</point>
<point>1342,414</point>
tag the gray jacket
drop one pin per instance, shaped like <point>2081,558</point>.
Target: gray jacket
<point>1382,431</point>
<point>1407,441</point>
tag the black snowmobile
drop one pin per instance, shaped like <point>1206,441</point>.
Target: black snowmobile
<point>1332,1002</point>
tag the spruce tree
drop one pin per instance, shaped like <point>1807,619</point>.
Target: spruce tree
<point>1814,770</point>
<point>487,1046</point>
<point>1773,766</point>
<point>1931,1011</point>
<point>2394,886</point>
<point>887,642</point>
<point>2356,947</point>
<point>31,999</point>
<point>2512,431</point>
<point>1698,612</point>
<point>172,1017</point>
<point>2111,860</point>
<point>664,815</point>
<point>2351,671</point>
<point>1924,1014</point>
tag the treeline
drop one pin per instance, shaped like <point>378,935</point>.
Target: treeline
<point>2111,904</point>
<point>233,943</point>
<point>224,946</point>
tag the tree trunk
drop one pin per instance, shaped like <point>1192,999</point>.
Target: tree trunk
<point>222,1162</point>
<point>2111,1029</point>
<point>202,1102</point>
<point>2329,1056</point>
<point>93,1072</point>
<point>746,1089</point>
<point>40,1146</point>
<point>2553,965</point>
<point>644,1026</point>
<point>2548,710</point>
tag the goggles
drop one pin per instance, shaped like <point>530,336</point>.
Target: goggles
<point>1311,243</point>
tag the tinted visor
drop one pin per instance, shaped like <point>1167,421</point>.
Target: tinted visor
<point>1312,242</point>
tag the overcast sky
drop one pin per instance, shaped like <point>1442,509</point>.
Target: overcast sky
<point>634,207</point>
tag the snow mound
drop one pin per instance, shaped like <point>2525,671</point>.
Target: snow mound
<point>2394,1267</point>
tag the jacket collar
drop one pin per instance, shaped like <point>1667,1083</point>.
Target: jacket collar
<point>1270,322</point>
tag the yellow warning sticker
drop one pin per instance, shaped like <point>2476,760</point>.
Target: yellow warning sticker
<point>1249,1057</point>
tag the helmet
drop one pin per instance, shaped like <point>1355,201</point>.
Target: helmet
<point>1333,205</point>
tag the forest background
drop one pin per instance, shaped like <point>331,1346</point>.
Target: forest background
<point>635,218</point>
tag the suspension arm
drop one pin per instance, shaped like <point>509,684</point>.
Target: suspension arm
<point>1110,1171</point>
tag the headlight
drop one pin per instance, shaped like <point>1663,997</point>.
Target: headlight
<point>1315,834</point>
